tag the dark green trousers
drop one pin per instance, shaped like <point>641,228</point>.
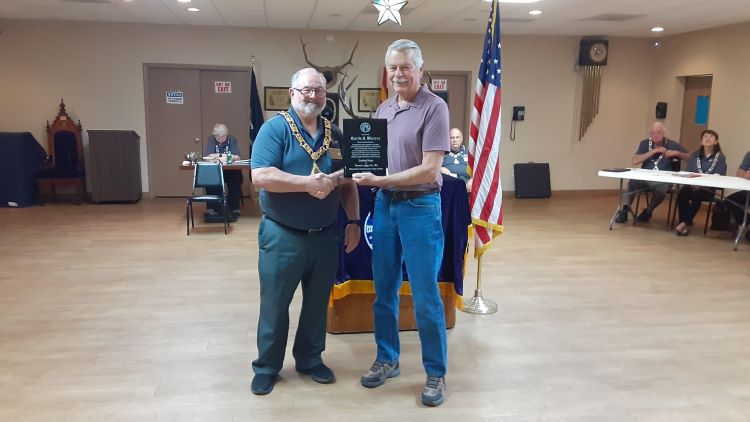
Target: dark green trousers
<point>288,258</point>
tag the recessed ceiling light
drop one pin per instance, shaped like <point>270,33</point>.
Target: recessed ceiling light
<point>515,1</point>
<point>657,29</point>
<point>535,12</point>
<point>193,9</point>
<point>656,44</point>
<point>184,1</point>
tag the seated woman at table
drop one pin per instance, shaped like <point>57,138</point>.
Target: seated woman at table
<point>739,197</point>
<point>708,159</point>
<point>219,144</point>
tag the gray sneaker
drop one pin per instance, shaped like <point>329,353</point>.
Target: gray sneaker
<point>433,393</point>
<point>379,372</point>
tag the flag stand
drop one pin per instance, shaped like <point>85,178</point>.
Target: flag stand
<point>478,304</point>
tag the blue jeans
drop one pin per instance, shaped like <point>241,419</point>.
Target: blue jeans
<point>409,231</point>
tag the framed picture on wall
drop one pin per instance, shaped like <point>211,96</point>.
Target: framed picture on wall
<point>276,98</point>
<point>369,99</point>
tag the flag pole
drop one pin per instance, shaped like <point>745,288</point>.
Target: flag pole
<point>478,304</point>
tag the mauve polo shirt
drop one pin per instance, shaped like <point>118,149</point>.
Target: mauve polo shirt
<point>421,125</point>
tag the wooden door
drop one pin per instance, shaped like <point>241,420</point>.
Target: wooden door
<point>173,122</point>
<point>695,110</point>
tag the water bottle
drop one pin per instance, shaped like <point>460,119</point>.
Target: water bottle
<point>229,157</point>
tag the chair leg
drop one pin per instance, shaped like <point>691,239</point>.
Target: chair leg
<point>226,216</point>
<point>674,214</point>
<point>40,192</point>
<point>79,195</point>
<point>637,205</point>
<point>708,215</point>
<point>187,216</point>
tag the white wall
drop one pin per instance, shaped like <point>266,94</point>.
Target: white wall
<point>98,69</point>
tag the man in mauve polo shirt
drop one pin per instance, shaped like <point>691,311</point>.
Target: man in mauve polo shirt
<point>407,226</point>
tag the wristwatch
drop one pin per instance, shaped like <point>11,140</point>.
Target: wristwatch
<point>357,222</point>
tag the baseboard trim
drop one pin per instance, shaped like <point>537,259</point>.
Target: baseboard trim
<point>571,193</point>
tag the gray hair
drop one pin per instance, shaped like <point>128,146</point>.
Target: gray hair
<point>406,45</point>
<point>299,73</point>
<point>659,125</point>
<point>220,130</point>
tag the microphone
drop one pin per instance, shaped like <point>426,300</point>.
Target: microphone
<point>201,151</point>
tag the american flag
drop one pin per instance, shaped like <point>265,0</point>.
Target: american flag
<point>484,142</point>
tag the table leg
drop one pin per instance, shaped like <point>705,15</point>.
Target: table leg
<point>619,204</point>
<point>742,228</point>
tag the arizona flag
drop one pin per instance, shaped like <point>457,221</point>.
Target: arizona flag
<point>486,202</point>
<point>384,86</point>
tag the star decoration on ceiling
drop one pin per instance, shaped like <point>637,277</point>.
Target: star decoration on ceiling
<point>389,10</point>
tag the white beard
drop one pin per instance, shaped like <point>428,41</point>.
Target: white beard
<point>308,109</point>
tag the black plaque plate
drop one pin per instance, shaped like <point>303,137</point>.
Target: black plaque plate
<point>365,146</point>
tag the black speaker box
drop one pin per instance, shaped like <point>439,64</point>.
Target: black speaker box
<point>661,110</point>
<point>532,180</point>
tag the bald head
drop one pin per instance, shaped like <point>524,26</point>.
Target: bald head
<point>657,132</point>
<point>457,139</point>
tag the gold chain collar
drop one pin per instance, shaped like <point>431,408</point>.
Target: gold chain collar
<point>315,155</point>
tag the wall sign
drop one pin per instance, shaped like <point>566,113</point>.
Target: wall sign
<point>175,97</point>
<point>439,84</point>
<point>223,87</point>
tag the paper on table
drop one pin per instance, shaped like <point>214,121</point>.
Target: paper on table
<point>686,174</point>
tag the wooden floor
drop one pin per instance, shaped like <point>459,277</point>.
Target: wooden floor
<point>111,313</point>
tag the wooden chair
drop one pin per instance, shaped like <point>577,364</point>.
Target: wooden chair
<point>65,163</point>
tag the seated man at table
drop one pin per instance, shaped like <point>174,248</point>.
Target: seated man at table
<point>219,144</point>
<point>656,152</point>
<point>456,161</point>
<point>739,197</point>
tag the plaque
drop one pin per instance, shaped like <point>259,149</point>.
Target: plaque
<point>365,146</point>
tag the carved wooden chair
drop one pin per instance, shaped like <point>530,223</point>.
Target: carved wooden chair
<point>65,163</point>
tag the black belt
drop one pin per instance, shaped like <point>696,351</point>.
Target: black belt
<point>401,195</point>
<point>309,232</point>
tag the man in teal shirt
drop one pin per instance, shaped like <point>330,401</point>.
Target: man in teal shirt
<point>298,237</point>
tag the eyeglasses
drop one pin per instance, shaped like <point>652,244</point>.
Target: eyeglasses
<point>315,92</point>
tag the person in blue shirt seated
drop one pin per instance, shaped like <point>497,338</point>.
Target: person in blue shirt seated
<point>456,161</point>
<point>708,159</point>
<point>739,197</point>
<point>654,153</point>
<point>219,144</point>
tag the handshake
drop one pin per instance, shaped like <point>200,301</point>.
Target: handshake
<point>320,185</point>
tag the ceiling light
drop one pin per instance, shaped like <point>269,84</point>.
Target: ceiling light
<point>656,44</point>
<point>657,29</point>
<point>184,1</point>
<point>515,1</point>
<point>193,9</point>
<point>535,12</point>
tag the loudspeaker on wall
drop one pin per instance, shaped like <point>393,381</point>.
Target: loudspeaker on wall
<point>661,110</point>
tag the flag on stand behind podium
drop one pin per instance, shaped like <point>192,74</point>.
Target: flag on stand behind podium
<point>256,112</point>
<point>484,141</point>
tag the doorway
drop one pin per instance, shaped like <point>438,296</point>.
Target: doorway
<point>455,91</point>
<point>183,103</point>
<point>695,110</point>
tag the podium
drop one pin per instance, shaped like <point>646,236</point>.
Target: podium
<point>23,156</point>
<point>350,304</point>
<point>115,165</point>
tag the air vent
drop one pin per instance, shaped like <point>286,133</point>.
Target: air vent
<point>87,1</point>
<point>516,20</point>
<point>613,17</point>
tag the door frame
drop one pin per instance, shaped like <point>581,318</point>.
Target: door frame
<point>149,66</point>
<point>469,94</point>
